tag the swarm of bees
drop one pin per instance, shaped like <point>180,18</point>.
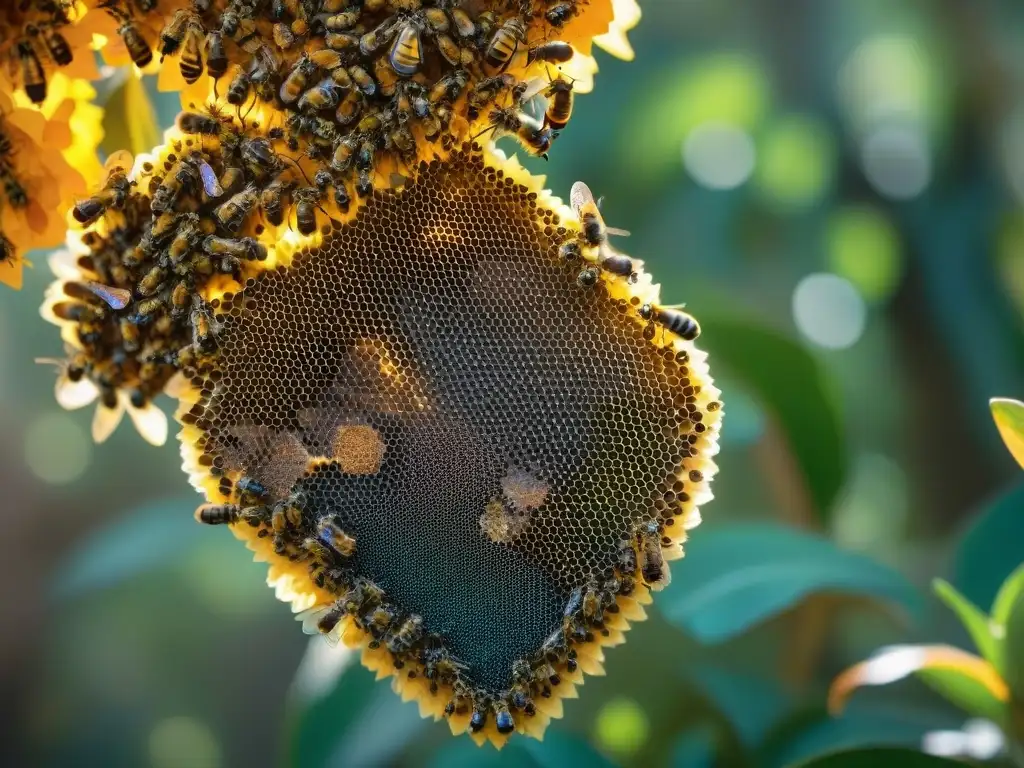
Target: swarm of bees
<point>13,193</point>
<point>375,85</point>
<point>38,44</point>
<point>191,217</point>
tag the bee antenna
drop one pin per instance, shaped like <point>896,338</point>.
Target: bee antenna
<point>293,162</point>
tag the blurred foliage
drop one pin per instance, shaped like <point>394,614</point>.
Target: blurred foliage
<point>748,148</point>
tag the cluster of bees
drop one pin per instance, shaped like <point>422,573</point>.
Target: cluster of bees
<point>37,43</point>
<point>157,241</point>
<point>299,534</point>
<point>358,84</point>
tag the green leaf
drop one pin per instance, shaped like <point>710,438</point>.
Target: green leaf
<point>733,578</point>
<point>811,733</point>
<point>1009,418</point>
<point>977,623</point>
<point>355,722</point>
<point>753,706</point>
<point>148,538</point>
<point>968,681</point>
<point>557,750</point>
<point>964,691</point>
<point>990,549</point>
<point>792,385</point>
<point>1008,612</point>
<point>883,757</point>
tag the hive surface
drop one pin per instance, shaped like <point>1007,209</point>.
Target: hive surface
<point>442,321</point>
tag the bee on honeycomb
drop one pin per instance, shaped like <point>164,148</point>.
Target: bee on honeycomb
<point>451,452</point>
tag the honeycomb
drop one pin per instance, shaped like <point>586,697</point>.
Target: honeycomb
<point>453,450</point>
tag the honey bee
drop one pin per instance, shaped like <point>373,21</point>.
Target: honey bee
<point>362,79</point>
<point>364,184</point>
<point>560,101</point>
<point>216,55</point>
<point>272,200</point>
<point>72,389</point>
<point>181,297</point>
<point>239,88</point>
<point>138,49</point>
<point>451,52</point>
<point>185,239</point>
<point>406,636</point>
<point>54,42</point>
<point>595,233</point>
<point>478,719</point>
<point>146,311</point>
<point>112,195</point>
<point>503,719</point>
<point>449,87</point>
<point>558,14</point>
<point>251,492</point>
<point>307,200</point>
<point>232,179</point>
<point>534,136</point>
<point>151,281</point>
<point>570,252</point>
<point>14,191</point>
<point>33,78</point>
<point>677,322</point>
<point>617,264</point>
<point>244,248</point>
<point>298,79</point>
<point>587,278</point>
<point>504,44</point>
<point>324,95</point>
<point>341,198</point>
<point>218,514</point>
<point>555,52</point>
<point>378,37</point>
<point>331,535</point>
<point>350,106</point>
<point>652,563</point>
<point>182,176</point>
<point>174,32</point>
<point>329,620</point>
<point>284,38</point>
<point>209,124</point>
<point>191,62</point>
<point>464,25</point>
<point>486,91</point>
<point>286,514</point>
<point>232,213</point>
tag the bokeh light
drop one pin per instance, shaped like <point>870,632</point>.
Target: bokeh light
<point>796,161</point>
<point>887,76</point>
<point>828,311</point>
<point>874,508</point>
<point>56,449</point>
<point>621,727</point>
<point>183,741</point>
<point>862,245</point>
<point>719,155</point>
<point>897,161</point>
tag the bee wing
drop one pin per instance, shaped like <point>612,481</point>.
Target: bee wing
<point>116,298</point>
<point>580,195</point>
<point>535,86</point>
<point>72,395</point>
<point>617,231</point>
<point>151,423</point>
<point>105,421</point>
<point>310,617</point>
